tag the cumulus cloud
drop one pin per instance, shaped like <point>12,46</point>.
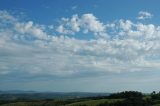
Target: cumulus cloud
<point>29,28</point>
<point>86,23</point>
<point>144,15</point>
<point>27,49</point>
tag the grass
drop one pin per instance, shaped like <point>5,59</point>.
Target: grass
<point>94,102</point>
<point>156,105</point>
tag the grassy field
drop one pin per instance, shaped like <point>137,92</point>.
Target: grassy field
<point>79,103</point>
<point>50,103</point>
<point>156,105</point>
<point>94,102</point>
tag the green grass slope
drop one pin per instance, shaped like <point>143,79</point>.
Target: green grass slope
<point>94,102</point>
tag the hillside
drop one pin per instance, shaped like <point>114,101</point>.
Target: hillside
<point>127,98</point>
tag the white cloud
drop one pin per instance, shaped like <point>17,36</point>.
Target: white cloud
<point>125,25</point>
<point>5,16</point>
<point>69,26</point>
<point>29,28</point>
<point>86,23</point>
<point>27,49</point>
<point>90,23</point>
<point>144,15</point>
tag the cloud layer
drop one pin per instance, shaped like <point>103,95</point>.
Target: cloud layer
<point>27,49</point>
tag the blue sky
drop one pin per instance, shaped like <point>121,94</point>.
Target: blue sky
<point>90,46</point>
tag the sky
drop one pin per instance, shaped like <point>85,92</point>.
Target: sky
<point>80,46</point>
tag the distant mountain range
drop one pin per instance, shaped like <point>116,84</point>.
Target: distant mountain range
<point>36,95</point>
<point>16,92</point>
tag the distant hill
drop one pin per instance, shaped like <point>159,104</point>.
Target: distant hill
<point>34,95</point>
<point>16,92</point>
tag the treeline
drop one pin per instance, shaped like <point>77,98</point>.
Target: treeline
<point>155,95</point>
<point>131,98</point>
<point>119,95</point>
<point>126,94</point>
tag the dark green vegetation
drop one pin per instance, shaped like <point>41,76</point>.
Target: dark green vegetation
<point>127,98</point>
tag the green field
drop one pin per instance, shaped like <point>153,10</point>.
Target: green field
<point>94,102</point>
<point>50,103</point>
